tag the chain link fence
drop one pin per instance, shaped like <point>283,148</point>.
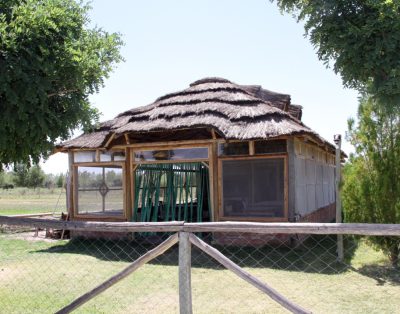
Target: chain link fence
<point>44,275</point>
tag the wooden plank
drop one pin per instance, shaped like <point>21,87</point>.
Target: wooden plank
<point>110,164</point>
<point>167,144</point>
<point>185,285</point>
<point>160,249</point>
<point>271,292</point>
<point>228,226</point>
<point>296,227</point>
<point>103,226</point>
<point>109,140</point>
<point>241,157</point>
<point>200,160</point>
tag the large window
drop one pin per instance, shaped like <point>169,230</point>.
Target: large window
<point>99,190</point>
<point>102,156</point>
<point>253,188</point>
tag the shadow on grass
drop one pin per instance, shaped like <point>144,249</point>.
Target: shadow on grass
<point>381,273</point>
<point>317,254</point>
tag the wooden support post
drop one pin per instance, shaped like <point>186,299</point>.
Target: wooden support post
<point>185,285</point>
<point>213,135</point>
<point>251,148</point>
<point>129,190</point>
<point>213,177</point>
<point>98,152</point>
<point>70,185</point>
<point>127,140</point>
<point>338,168</point>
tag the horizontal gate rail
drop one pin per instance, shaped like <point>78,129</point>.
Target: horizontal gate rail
<point>180,226</point>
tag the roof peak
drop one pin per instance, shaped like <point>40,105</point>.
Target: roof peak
<point>210,80</point>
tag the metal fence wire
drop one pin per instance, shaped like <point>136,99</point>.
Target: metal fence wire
<point>199,272</point>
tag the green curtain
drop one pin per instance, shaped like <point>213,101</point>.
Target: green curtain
<point>167,192</point>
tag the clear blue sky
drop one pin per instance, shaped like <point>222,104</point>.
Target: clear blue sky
<point>169,44</point>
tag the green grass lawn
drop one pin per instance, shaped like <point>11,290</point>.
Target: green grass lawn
<point>30,201</point>
<point>41,277</point>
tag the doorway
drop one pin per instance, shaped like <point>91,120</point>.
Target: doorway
<point>172,192</point>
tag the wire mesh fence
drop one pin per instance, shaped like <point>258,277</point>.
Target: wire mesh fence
<point>42,275</point>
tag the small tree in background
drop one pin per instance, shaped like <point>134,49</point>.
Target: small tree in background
<point>36,177</point>
<point>60,180</point>
<point>21,174</point>
<point>371,190</point>
<point>49,181</point>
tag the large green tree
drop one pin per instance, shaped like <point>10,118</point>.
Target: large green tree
<point>371,189</point>
<point>50,62</point>
<point>360,39</point>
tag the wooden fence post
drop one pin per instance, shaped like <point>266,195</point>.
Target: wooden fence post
<point>338,169</point>
<point>185,285</point>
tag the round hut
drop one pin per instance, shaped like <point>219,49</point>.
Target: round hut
<point>215,151</point>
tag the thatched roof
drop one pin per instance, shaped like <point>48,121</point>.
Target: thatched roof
<point>242,112</point>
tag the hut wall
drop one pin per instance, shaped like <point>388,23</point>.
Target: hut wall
<point>314,179</point>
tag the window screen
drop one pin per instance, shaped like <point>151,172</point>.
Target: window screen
<point>112,156</point>
<point>270,147</point>
<point>253,188</point>
<point>85,156</point>
<point>233,149</point>
<point>100,190</point>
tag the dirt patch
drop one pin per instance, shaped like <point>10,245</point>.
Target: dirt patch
<point>30,236</point>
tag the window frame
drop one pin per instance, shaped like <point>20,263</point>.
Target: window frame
<point>97,154</point>
<point>76,166</point>
<point>210,162</point>
<point>167,148</point>
<point>221,214</point>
